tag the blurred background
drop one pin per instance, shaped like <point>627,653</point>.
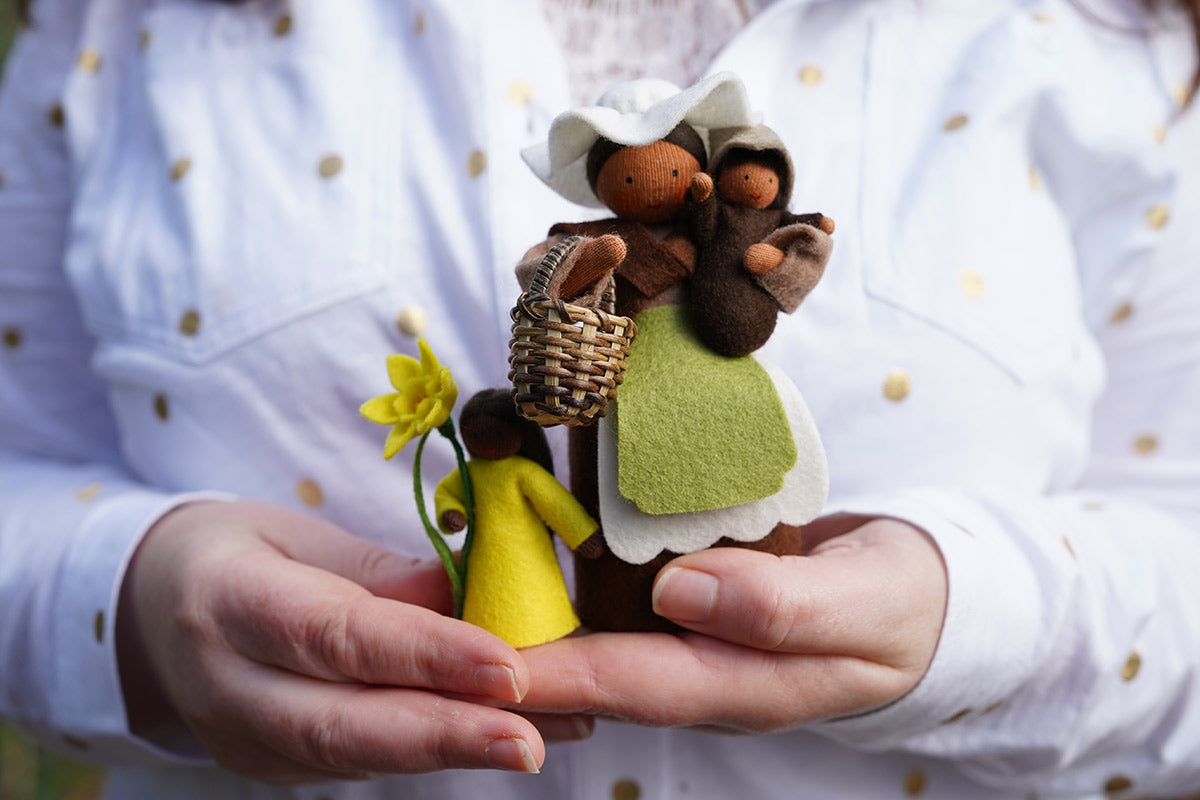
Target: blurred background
<point>29,772</point>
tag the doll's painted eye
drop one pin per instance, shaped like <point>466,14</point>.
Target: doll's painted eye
<point>747,177</point>
<point>629,179</point>
<point>674,173</point>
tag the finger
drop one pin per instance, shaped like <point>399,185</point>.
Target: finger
<point>863,594</point>
<point>314,623</point>
<point>664,680</point>
<point>356,729</point>
<point>563,727</point>
<point>318,543</point>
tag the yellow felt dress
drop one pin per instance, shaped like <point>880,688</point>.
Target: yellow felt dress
<point>514,586</point>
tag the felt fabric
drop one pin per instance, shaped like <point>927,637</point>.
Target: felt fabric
<point>651,265</point>
<point>514,587</point>
<point>636,536</point>
<point>806,250</point>
<point>633,113</point>
<point>697,431</point>
<point>732,311</point>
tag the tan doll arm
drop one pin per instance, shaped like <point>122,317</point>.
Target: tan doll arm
<point>581,277</point>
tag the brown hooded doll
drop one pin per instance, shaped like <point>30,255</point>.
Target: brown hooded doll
<point>742,230</point>
<point>698,449</point>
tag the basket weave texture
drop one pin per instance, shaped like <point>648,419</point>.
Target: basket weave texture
<point>566,360</point>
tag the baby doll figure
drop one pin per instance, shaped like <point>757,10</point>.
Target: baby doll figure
<point>514,587</point>
<point>755,257</point>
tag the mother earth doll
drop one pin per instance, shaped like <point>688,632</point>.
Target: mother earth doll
<point>699,448</point>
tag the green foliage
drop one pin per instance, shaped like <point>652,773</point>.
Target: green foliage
<point>8,28</point>
<point>31,772</point>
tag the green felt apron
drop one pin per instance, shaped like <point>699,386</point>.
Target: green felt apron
<point>696,431</point>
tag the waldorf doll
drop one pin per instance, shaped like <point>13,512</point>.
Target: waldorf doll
<point>740,282</point>
<point>514,587</point>
<point>698,449</point>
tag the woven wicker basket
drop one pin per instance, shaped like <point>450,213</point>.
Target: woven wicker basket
<point>567,360</point>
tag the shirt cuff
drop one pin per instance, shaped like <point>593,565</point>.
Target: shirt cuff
<point>86,685</point>
<point>989,638</point>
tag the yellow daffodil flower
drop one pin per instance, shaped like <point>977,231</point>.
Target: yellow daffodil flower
<point>424,396</point>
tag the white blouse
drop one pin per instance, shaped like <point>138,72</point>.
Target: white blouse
<point>217,220</point>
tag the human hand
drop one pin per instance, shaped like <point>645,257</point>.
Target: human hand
<point>297,652</point>
<point>775,642</point>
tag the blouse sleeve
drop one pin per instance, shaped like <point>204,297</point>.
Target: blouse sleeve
<point>71,515</point>
<point>1068,659</point>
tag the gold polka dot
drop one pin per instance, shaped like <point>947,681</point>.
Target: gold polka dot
<point>180,168</point>
<point>897,385</point>
<point>310,493</point>
<point>89,60</point>
<point>419,22</point>
<point>520,92</point>
<point>283,25</point>
<point>1181,94</point>
<point>1160,133</point>
<point>57,116</point>
<point>477,163</point>
<point>810,75</point>
<point>1157,216</point>
<point>1121,313</point>
<point>971,284</point>
<point>75,742</point>
<point>1117,784</point>
<point>12,338</point>
<point>144,38</point>
<point>98,626</point>
<point>626,789</point>
<point>915,783</point>
<point>89,492</point>
<point>1070,549</point>
<point>1145,444</point>
<point>330,165</point>
<point>412,321</point>
<point>189,322</point>
<point>955,122</point>
<point>1035,179</point>
<point>1045,19</point>
<point>956,717</point>
<point>162,409</point>
<point>1132,665</point>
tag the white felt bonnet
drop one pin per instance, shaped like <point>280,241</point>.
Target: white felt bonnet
<point>637,113</point>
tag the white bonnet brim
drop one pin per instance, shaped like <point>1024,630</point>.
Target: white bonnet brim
<point>636,113</point>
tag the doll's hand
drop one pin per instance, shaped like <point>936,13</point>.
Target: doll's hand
<point>453,520</point>
<point>701,187</point>
<point>593,546</point>
<point>297,652</point>
<point>597,260</point>
<point>761,258</point>
<point>778,642</point>
<point>827,225</point>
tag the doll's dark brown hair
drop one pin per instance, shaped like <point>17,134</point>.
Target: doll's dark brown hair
<point>501,412</point>
<point>682,135</point>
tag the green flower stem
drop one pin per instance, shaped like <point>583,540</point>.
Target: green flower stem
<point>447,429</point>
<point>444,552</point>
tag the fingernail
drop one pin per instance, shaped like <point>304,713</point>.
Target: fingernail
<point>498,680</point>
<point>510,754</point>
<point>685,595</point>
